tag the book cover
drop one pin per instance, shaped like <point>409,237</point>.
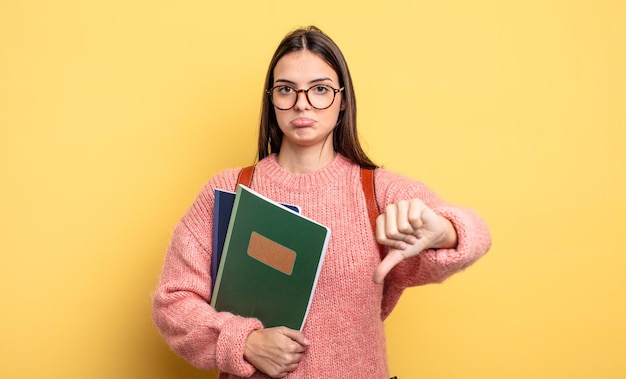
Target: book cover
<point>224,201</point>
<point>270,263</point>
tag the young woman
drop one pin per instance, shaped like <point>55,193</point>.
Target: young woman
<point>309,154</point>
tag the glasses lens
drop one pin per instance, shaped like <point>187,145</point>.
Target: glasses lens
<point>321,96</point>
<point>284,97</point>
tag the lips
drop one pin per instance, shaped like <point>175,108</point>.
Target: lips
<point>303,122</point>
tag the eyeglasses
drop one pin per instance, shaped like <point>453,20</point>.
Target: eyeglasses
<point>320,96</point>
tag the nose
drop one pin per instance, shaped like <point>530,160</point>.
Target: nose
<point>302,102</point>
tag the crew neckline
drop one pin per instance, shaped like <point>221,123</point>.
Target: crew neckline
<point>337,169</point>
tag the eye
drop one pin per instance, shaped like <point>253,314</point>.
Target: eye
<point>284,90</point>
<point>320,89</point>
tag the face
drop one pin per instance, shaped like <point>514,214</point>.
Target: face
<point>303,125</point>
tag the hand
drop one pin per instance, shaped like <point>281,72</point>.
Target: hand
<point>408,228</point>
<point>275,351</point>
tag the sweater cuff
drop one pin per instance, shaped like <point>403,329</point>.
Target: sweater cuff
<point>461,226</point>
<point>473,239</point>
<point>231,344</point>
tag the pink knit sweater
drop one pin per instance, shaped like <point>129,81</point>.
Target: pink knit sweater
<point>345,323</point>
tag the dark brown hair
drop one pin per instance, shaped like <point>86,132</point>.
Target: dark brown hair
<point>345,137</point>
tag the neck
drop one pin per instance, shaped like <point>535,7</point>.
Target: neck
<point>303,160</point>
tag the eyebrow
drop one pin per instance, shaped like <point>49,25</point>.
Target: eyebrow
<point>310,82</point>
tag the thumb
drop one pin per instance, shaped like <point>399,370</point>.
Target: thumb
<point>392,258</point>
<point>297,336</point>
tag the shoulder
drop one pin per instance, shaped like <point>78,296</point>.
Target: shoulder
<point>198,218</point>
<point>224,180</point>
<point>392,187</point>
<point>387,180</point>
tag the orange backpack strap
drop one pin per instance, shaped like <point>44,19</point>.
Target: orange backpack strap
<point>245,176</point>
<point>367,181</point>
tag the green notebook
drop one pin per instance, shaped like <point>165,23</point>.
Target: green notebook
<point>270,263</point>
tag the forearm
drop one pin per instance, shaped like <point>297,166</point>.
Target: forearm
<point>435,265</point>
<point>207,339</point>
<point>191,327</point>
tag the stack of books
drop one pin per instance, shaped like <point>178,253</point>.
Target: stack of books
<point>267,258</point>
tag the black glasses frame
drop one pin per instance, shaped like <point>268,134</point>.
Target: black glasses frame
<point>306,95</point>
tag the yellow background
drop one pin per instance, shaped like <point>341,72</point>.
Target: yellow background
<point>114,113</point>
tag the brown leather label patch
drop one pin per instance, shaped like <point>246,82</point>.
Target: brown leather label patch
<point>271,253</point>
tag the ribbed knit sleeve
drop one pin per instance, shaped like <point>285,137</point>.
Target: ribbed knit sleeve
<point>181,311</point>
<point>430,266</point>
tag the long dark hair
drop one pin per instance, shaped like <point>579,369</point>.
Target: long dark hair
<point>345,137</point>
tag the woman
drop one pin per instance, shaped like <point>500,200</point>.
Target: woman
<point>309,155</point>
